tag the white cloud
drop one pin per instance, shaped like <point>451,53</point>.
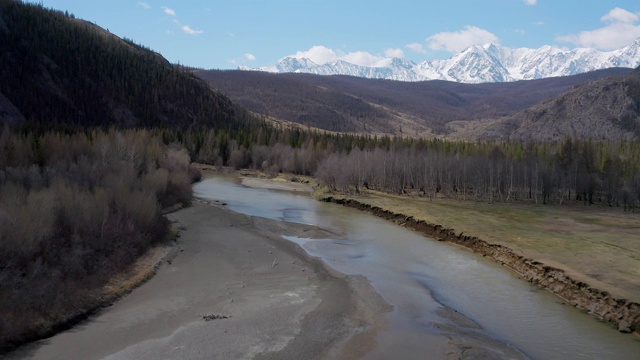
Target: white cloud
<point>531,2</point>
<point>394,53</point>
<point>188,30</point>
<point>322,55</point>
<point>457,41</point>
<point>250,57</point>
<point>318,54</point>
<point>621,30</point>
<point>185,28</point>
<point>417,47</point>
<point>539,23</point>
<point>169,11</point>
<point>618,15</point>
<point>361,58</point>
<point>144,5</point>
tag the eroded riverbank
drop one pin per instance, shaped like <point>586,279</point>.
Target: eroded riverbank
<point>622,313</point>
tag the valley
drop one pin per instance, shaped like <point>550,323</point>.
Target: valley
<point>446,110</point>
<point>122,211</point>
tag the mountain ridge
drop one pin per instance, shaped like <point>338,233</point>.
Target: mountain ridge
<point>475,64</point>
<point>354,104</point>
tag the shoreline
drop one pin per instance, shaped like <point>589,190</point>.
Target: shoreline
<point>351,313</point>
<point>267,298</point>
<point>623,314</point>
<point>356,307</point>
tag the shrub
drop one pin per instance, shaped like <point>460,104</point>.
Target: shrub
<point>88,209</point>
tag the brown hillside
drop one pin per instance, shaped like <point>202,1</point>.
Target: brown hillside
<point>604,109</point>
<point>343,103</point>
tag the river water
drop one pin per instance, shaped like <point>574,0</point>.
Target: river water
<point>420,277</point>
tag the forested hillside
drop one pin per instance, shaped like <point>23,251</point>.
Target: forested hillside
<point>60,71</point>
<point>80,194</point>
<point>343,103</point>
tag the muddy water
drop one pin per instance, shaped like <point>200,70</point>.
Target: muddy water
<point>423,278</point>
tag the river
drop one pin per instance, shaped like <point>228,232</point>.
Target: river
<point>423,278</point>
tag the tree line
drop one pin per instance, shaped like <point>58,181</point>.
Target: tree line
<point>573,171</point>
<point>570,171</point>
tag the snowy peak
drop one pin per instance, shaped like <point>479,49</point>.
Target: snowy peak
<point>389,68</point>
<point>476,64</point>
<point>294,65</point>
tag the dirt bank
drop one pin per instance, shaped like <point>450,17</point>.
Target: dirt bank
<point>623,314</point>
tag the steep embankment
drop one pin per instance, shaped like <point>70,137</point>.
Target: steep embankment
<point>624,314</point>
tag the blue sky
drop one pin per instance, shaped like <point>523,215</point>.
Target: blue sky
<point>224,34</point>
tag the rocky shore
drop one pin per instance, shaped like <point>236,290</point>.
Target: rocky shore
<point>623,314</point>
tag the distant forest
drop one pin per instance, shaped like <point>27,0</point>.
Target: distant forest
<point>591,172</point>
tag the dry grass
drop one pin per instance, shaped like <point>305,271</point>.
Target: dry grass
<point>597,245</point>
<point>135,275</point>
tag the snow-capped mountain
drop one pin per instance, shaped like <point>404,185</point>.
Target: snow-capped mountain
<point>476,64</point>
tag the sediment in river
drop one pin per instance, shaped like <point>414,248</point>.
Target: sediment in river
<point>622,313</point>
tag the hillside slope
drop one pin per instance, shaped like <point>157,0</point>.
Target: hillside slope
<point>299,99</point>
<point>60,71</point>
<point>342,103</point>
<point>606,109</point>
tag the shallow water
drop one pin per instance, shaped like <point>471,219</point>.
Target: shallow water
<point>420,276</point>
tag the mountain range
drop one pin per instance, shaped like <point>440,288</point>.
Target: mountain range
<point>476,64</point>
<point>67,72</point>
